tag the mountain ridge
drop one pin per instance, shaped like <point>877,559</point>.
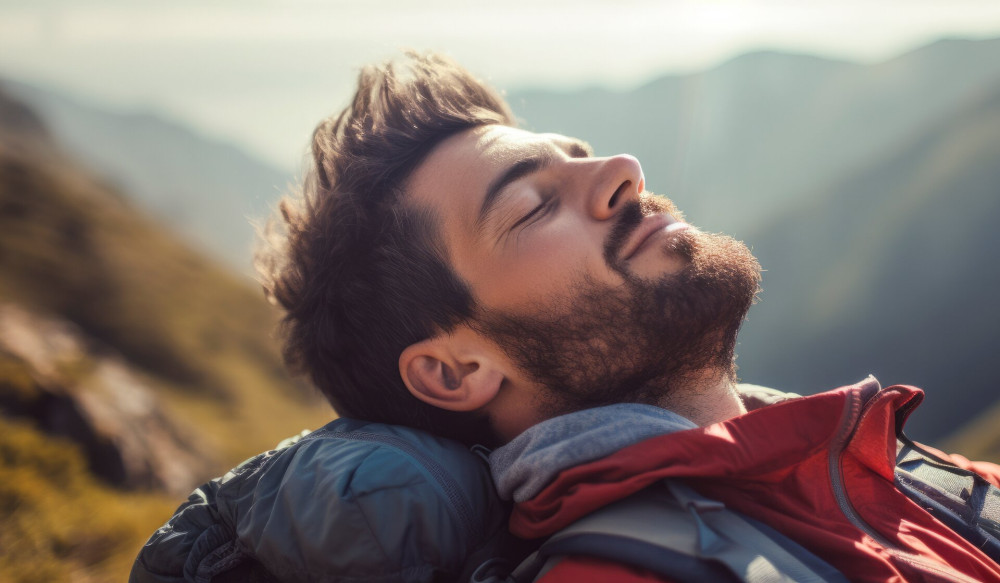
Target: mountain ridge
<point>728,145</point>
<point>204,188</point>
<point>906,253</point>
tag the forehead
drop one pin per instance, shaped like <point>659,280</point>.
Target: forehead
<point>454,177</point>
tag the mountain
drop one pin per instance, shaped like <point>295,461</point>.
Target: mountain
<point>75,248</point>
<point>734,143</point>
<point>132,367</point>
<point>868,191</point>
<point>204,189</point>
<point>731,144</point>
<point>891,271</point>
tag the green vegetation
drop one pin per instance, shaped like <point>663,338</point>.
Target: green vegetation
<point>70,246</point>
<point>59,524</point>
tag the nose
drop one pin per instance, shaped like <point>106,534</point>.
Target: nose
<point>617,180</point>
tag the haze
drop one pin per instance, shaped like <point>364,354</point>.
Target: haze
<point>262,73</point>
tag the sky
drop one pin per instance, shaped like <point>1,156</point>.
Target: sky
<point>262,73</point>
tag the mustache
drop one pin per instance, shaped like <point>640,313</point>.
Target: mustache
<point>628,220</point>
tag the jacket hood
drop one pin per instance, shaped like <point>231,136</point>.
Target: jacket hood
<point>533,459</point>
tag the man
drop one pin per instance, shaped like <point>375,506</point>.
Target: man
<point>447,271</point>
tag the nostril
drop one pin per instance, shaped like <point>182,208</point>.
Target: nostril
<point>621,190</point>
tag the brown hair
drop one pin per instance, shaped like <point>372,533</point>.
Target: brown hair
<point>360,274</point>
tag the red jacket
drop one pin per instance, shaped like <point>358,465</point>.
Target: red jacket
<point>783,465</point>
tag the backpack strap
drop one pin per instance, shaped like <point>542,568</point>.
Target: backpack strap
<point>961,499</point>
<point>675,532</point>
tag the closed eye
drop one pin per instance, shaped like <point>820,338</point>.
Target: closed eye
<point>546,206</point>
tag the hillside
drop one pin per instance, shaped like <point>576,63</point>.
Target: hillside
<point>892,271</point>
<point>867,190</point>
<point>130,366</point>
<point>203,189</point>
<point>732,144</point>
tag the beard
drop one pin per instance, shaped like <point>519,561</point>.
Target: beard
<point>641,341</point>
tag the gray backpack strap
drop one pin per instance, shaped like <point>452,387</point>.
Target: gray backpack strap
<point>961,499</point>
<point>671,530</point>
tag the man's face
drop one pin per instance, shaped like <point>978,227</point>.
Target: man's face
<point>592,286</point>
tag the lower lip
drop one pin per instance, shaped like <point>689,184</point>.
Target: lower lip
<point>664,232</point>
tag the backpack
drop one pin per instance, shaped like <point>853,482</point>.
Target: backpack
<point>961,499</point>
<point>671,530</point>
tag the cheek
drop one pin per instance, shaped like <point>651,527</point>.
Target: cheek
<point>545,264</point>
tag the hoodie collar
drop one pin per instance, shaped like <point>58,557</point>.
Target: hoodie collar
<point>525,465</point>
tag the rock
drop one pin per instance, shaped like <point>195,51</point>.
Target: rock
<point>52,373</point>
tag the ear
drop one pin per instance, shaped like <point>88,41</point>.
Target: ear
<point>454,371</point>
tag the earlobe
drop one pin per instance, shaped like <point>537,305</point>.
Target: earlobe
<point>448,375</point>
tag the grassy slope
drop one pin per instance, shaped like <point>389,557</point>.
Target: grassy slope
<point>56,522</point>
<point>70,247</point>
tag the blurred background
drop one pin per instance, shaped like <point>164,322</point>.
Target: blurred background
<point>855,146</point>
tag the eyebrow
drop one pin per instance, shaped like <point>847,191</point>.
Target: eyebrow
<point>533,163</point>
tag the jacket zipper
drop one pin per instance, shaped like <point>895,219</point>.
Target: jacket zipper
<point>471,521</point>
<point>853,415</point>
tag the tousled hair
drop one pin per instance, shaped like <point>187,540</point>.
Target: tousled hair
<point>360,274</point>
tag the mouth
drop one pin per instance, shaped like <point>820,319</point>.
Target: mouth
<point>653,228</point>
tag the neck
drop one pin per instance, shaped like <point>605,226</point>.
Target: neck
<point>707,399</point>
